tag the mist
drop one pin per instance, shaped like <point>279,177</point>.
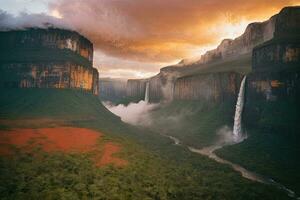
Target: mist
<point>226,136</point>
<point>133,113</point>
<point>25,20</point>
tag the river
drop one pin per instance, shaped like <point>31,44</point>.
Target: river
<point>209,152</point>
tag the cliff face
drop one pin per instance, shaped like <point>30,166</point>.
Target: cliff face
<point>255,33</point>
<point>287,23</point>
<point>112,89</point>
<point>283,50</point>
<point>217,87</point>
<point>273,86</point>
<point>271,46</point>
<point>47,58</point>
<point>213,77</point>
<point>45,39</point>
<point>136,88</point>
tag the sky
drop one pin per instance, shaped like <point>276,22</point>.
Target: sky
<point>135,38</point>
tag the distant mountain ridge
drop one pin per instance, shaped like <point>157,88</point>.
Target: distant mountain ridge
<point>256,33</point>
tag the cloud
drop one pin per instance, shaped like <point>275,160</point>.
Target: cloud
<point>133,113</point>
<point>161,31</point>
<point>137,37</point>
<point>25,20</point>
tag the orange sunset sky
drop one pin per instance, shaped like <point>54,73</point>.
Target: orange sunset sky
<point>135,38</point>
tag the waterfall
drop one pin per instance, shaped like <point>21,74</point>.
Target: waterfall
<point>237,127</point>
<point>147,93</point>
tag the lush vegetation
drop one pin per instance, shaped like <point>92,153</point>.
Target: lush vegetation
<point>62,176</point>
<point>272,148</point>
<point>157,169</point>
<point>195,123</point>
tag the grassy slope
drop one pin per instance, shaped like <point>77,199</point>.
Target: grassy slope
<point>155,165</point>
<point>273,146</point>
<point>193,122</point>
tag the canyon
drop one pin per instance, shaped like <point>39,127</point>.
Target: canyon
<point>249,84</point>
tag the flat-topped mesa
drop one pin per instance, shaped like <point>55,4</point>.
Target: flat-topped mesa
<point>47,58</point>
<point>51,38</point>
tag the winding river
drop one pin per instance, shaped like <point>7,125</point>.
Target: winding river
<point>209,152</point>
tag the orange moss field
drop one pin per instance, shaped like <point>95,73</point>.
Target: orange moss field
<point>64,139</point>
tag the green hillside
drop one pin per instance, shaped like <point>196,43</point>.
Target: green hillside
<point>272,148</point>
<point>156,170</point>
<point>193,122</point>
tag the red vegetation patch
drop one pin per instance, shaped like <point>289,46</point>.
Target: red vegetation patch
<point>107,157</point>
<point>65,139</point>
<point>52,139</point>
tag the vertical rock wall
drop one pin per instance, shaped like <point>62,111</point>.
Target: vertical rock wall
<point>47,58</point>
<point>136,88</point>
<point>216,87</point>
<point>50,75</point>
<point>273,86</point>
<point>47,38</point>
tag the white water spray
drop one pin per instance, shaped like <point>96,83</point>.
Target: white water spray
<point>147,93</point>
<point>237,127</point>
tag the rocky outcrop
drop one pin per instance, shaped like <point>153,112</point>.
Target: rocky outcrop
<point>47,58</point>
<point>276,62</point>
<point>283,50</point>
<point>273,86</point>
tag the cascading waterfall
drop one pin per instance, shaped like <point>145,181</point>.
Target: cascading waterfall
<point>237,127</point>
<point>237,137</point>
<point>147,93</point>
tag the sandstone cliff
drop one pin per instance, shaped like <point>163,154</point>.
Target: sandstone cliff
<point>47,58</point>
<point>233,58</point>
<point>215,87</point>
<point>136,88</point>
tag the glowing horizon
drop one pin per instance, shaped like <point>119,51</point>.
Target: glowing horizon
<point>134,39</point>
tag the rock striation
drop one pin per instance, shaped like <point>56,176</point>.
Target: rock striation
<point>136,88</point>
<point>213,87</point>
<point>47,58</point>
